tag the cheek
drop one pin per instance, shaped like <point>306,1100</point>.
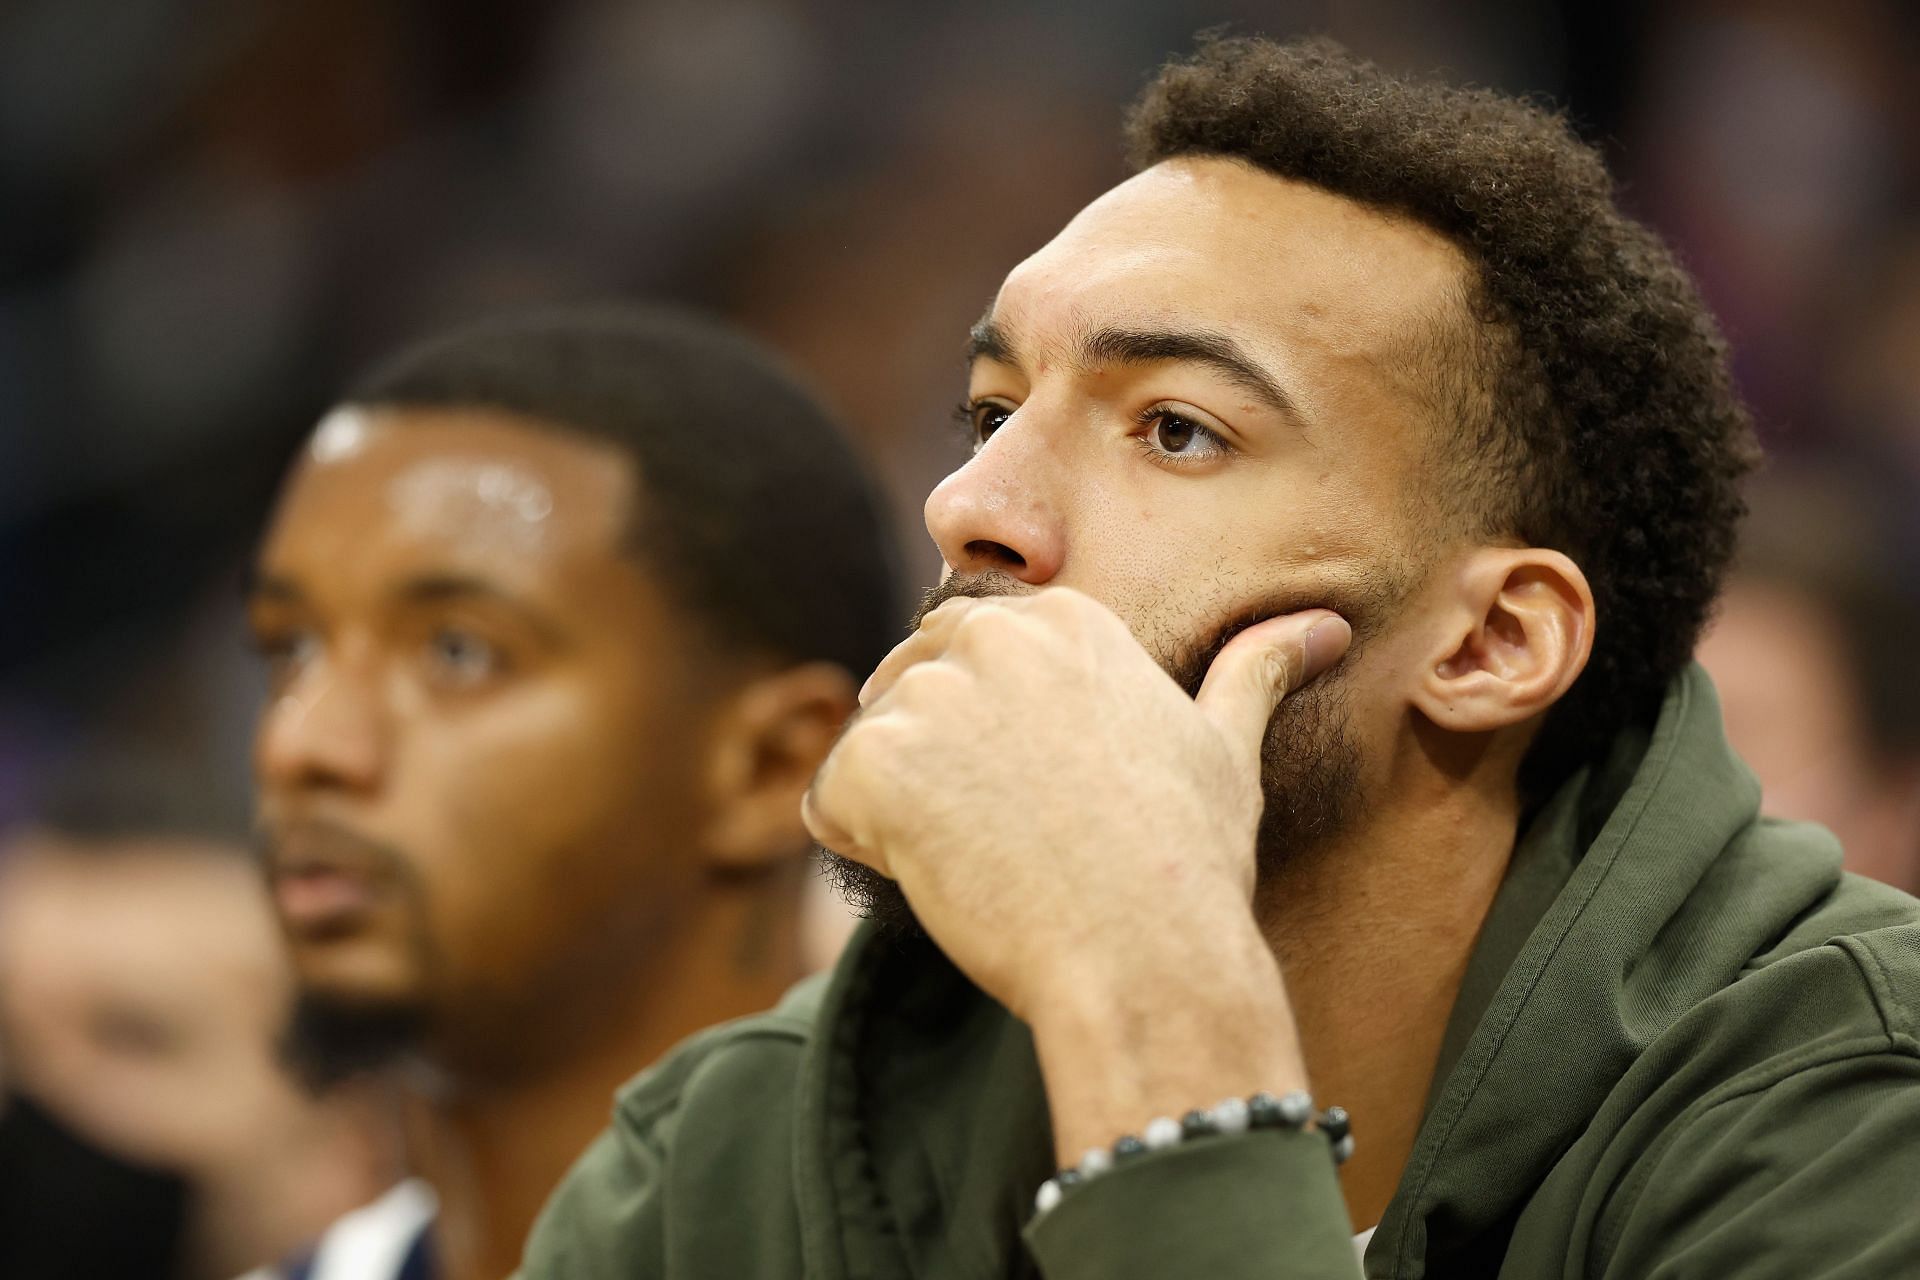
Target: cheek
<point>1188,554</point>
<point>529,810</point>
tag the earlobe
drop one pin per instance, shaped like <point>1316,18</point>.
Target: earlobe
<point>764,746</point>
<point>1522,634</point>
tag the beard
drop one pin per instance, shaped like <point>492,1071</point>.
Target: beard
<point>334,1036</point>
<point>331,1039</point>
<point>1310,758</point>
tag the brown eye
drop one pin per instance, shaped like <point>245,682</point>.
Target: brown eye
<point>1173,433</point>
<point>1168,436</point>
<point>987,419</point>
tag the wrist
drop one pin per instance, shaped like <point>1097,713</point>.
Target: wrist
<point>1164,1031</point>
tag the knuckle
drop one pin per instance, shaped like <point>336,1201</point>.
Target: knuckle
<point>944,613</point>
<point>1278,668</point>
<point>981,625</point>
<point>1065,602</point>
<point>925,680</point>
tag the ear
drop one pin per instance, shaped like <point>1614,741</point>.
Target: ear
<point>764,745</point>
<point>1519,633</point>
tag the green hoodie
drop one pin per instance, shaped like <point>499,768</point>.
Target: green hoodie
<point>1685,1047</point>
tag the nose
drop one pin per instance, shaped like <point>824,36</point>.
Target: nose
<point>1005,509</point>
<point>325,731</point>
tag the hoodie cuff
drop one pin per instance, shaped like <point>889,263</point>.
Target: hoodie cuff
<point>1263,1205</point>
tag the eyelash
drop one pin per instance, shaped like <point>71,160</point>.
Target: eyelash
<point>966,419</point>
<point>963,422</point>
<point>1160,413</point>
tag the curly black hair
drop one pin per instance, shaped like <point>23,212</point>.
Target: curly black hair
<point>1584,389</point>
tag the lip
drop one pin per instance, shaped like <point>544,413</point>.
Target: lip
<point>325,880</point>
<point>323,901</point>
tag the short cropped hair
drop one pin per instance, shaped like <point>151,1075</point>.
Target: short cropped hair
<point>1582,396</point>
<point>753,509</point>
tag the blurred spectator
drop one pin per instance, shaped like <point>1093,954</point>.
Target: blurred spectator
<point>562,612</point>
<point>1767,143</point>
<point>143,990</point>
<point>1812,652</point>
<point>1877,382</point>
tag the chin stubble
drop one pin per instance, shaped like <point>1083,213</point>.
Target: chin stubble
<point>1310,758</point>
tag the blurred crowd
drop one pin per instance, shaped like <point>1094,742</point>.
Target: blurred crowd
<point>216,211</point>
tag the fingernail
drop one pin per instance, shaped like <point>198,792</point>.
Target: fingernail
<point>1326,641</point>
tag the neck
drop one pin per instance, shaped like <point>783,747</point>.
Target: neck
<point>1373,935</point>
<point>493,1151</point>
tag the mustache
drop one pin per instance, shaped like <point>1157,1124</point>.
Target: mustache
<point>972,586</point>
<point>321,842</point>
<point>1187,664</point>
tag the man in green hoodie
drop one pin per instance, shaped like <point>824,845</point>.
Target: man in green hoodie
<point>1308,710</point>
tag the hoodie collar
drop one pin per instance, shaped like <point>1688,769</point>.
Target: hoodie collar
<point>1569,984</point>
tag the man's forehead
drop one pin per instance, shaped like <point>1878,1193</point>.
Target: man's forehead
<point>477,478</point>
<point>1234,247</point>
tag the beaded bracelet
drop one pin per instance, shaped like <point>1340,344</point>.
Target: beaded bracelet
<point>1235,1115</point>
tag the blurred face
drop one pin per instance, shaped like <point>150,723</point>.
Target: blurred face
<point>142,990</point>
<point>474,764</point>
<point>1793,712</point>
<point>1201,405</point>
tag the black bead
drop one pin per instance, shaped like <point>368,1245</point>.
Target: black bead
<point>1335,1123</point>
<point>1128,1147</point>
<point>1263,1111</point>
<point>1196,1124</point>
<point>1068,1178</point>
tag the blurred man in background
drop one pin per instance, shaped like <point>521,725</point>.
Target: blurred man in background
<point>562,613</point>
<point>1812,652</point>
<point>143,992</point>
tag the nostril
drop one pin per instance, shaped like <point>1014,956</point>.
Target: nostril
<point>998,553</point>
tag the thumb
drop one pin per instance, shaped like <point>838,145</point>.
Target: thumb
<point>1265,663</point>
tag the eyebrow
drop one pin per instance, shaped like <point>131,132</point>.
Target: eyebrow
<point>987,340</point>
<point>432,588</point>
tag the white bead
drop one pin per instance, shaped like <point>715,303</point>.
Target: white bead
<point>1047,1197</point>
<point>1161,1132</point>
<point>1343,1150</point>
<point>1096,1162</point>
<point>1230,1116</point>
<point>1296,1108</point>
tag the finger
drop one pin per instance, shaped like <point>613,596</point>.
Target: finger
<point>1262,665</point>
<point>929,641</point>
<point>828,832</point>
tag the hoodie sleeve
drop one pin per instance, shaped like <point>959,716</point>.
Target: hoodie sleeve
<point>1816,1174</point>
<point>1258,1206</point>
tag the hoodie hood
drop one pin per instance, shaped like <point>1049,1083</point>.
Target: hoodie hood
<point>1556,1008</point>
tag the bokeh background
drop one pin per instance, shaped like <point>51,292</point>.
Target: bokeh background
<point>214,211</point>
